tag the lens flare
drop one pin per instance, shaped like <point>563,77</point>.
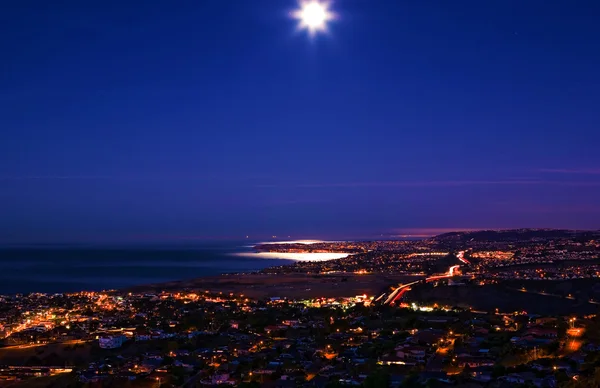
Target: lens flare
<point>313,16</point>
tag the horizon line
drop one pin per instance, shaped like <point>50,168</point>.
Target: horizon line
<point>393,234</point>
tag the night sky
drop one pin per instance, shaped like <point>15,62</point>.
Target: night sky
<point>213,119</point>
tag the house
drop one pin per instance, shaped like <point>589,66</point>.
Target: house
<point>562,365</point>
<point>482,374</point>
<point>414,353</point>
<point>428,337</point>
<point>542,332</point>
<point>438,319</point>
<point>396,380</point>
<point>127,375</point>
<point>142,336</point>
<point>592,347</point>
<point>545,320</point>
<point>424,377</point>
<point>540,367</point>
<point>222,378</point>
<point>319,382</point>
<point>112,342</point>
<point>285,383</point>
<point>519,378</point>
<point>92,377</point>
<point>578,358</point>
<point>474,362</point>
<point>395,360</point>
<point>275,328</point>
<point>156,334</point>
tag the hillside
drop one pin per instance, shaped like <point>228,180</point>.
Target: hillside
<point>514,235</point>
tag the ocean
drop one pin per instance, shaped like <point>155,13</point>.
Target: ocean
<point>64,268</point>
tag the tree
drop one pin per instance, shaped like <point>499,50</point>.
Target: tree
<point>592,381</point>
<point>172,346</point>
<point>499,370</point>
<point>377,379</point>
<point>53,359</point>
<point>433,383</point>
<point>411,381</point>
<point>33,361</point>
<point>178,374</point>
<point>252,384</point>
<point>553,348</point>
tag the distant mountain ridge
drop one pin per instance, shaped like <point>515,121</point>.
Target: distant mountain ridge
<point>516,235</point>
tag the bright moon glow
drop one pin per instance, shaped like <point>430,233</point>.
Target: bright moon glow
<point>313,15</point>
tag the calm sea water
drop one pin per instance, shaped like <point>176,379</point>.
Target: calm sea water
<point>75,268</point>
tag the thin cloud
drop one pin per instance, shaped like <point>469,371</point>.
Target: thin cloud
<point>417,184</point>
<point>527,207</point>
<point>173,177</point>
<point>57,177</point>
<point>457,183</point>
<point>297,201</point>
<point>133,177</point>
<point>583,171</point>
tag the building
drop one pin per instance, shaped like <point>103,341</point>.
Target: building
<point>112,342</point>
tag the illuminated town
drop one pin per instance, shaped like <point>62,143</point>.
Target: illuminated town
<point>472,309</point>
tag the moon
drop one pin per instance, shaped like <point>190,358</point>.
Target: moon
<point>313,16</point>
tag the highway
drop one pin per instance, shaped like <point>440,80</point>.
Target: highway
<point>404,288</point>
<point>398,292</point>
<point>461,257</point>
<point>451,272</point>
<point>27,346</point>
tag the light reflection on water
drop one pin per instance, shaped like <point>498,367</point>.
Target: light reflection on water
<point>304,256</point>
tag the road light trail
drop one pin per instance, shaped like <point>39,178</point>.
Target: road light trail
<point>402,289</point>
<point>395,294</point>
<point>461,257</point>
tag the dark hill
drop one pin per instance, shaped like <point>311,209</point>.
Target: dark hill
<point>514,235</point>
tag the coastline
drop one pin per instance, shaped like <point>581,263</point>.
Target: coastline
<point>66,269</point>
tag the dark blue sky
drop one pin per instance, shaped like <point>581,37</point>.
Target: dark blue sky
<point>129,120</point>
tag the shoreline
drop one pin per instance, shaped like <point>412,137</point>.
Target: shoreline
<point>61,270</point>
